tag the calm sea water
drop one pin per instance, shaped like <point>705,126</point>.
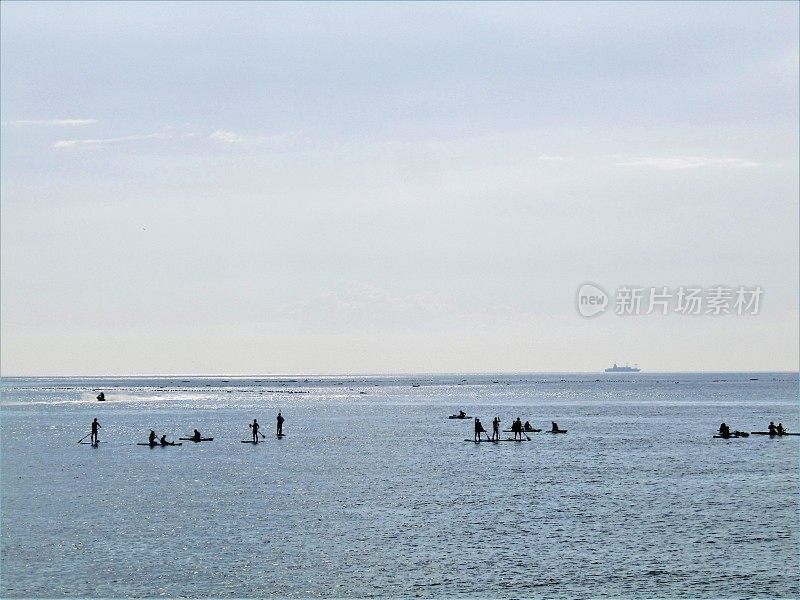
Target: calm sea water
<point>374,492</point>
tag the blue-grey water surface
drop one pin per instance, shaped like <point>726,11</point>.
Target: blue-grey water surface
<point>374,492</point>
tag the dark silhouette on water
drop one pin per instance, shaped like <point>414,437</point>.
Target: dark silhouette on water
<point>478,429</point>
<point>280,420</point>
<point>779,429</point>
<point>516,427</point>
<point>95,426</point>
<point>152,437</point>
<point>496,428</point>
<point>555,426</point>
<point>255,427</point>
<point>771,428</point>
<point>724,430</point>
<point>101,397</point>
<point>196,436</point>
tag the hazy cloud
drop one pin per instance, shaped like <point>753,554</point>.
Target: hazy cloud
<point>674,163</point>
<point>51,122</point>
<point>106,141</point>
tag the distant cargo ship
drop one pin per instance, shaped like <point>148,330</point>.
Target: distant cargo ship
<point>625,369</point>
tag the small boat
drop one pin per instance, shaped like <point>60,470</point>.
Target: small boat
<point>191,439</point>
<point>459,417</point>
<point>735,434</point>
<point>557,431</point>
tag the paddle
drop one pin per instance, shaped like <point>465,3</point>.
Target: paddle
<point>522,431</point>
<point>84,437</point>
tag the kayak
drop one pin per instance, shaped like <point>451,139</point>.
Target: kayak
<point>459,417</point>
<point>154,444</point>
<point>557,431</point>
<point>772,434</point>
<point>250,441</point>
<point>523,431</point>
<point>191,439</point>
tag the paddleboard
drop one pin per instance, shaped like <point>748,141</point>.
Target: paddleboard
<point>250,442</point>
<point>280,435</point>
<point>772,434</point>
<point>559,431</point>
<point>457,417</point>
<point>92,443</point>
<point>194,440</point>
<point>482,441</point>
<point>523,431</point>
<point>154,444</point>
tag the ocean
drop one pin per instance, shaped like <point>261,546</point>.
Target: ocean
<point>374,492</point>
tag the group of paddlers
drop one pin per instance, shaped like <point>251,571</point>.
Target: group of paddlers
<point>518,428</point>
<point>195,437</point>
<point>773,429</point>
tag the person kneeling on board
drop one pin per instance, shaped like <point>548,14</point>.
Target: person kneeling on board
<point>196,436</point>
<point>461,414</point>
<point>478,429</point>
<point>779,429</point>
<point>724,430</point>
<point>772,428</point>
<point>555,426</point>
<point>164,441</point>
<point>527,426</point>
<point>152,437</point>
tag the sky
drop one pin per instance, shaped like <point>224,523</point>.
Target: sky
<point>335,188</point>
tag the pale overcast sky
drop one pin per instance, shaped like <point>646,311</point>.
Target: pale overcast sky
<point>370,188</point>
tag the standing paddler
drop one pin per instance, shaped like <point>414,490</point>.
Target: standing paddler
<point>478,429</point>
<point>255,426</point>
<point>280,424</point>
<point>95,426</point>
<point>496,428</point>
<point>516,427</point>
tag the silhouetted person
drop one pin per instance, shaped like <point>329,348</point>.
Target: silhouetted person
<point>255,426</point>
<point>780,429</point>
<point>555,426</point>
<point>496,428</point>
<point>478,429</point>
<point>196,436</point>
<point>101,397</point>
<point>771,428</point>
<point>527,426</point>
<point>461,414</point>
<point>95,425</point>
<point>280,420</point>
<point>516,427</point>
<point>152,437</point>
<point>164,441</point>
<point>724,430</point>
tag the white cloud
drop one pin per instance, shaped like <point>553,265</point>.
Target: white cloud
<point>674,163</point>
<point>106,141</point>
<point>232,137</point>
<point>554,158</point>
<point>51,122</point>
